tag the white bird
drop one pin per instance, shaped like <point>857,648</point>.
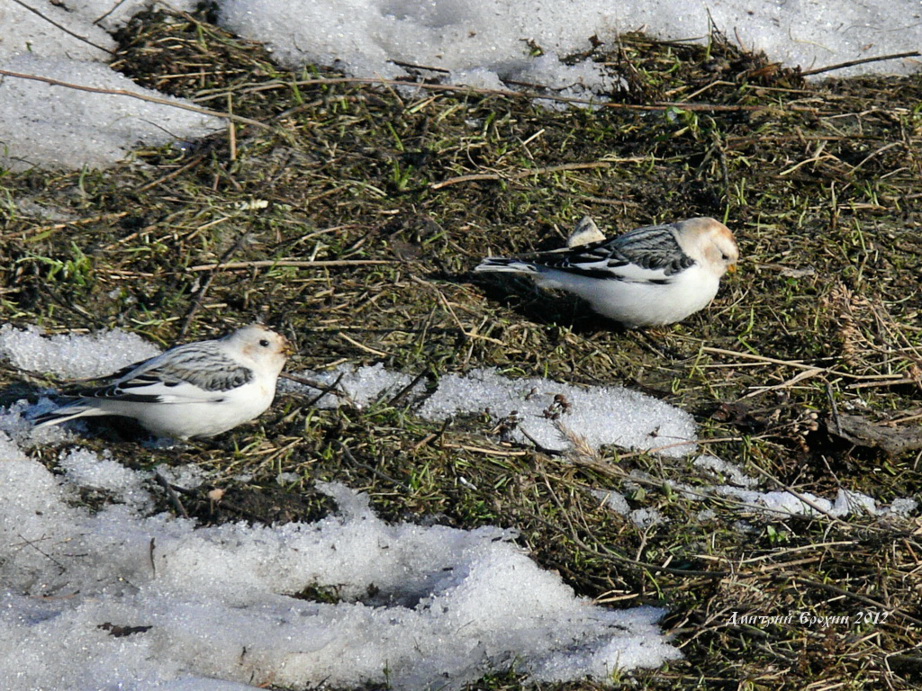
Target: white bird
<point>647,277</point>
<point>194,390</point>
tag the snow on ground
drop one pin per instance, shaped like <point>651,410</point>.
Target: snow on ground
<point>350,385</point>
<point>743,493</point>
<point>600,415</point>
<point>528,407</point>
<point>489,41</point>
<point>481,44</point>
<point>736,485</point>
<point>59,127</point>
<point>116,597</point>
<point>73,356</point>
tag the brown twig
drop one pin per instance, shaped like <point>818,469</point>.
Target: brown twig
<point>477,449</point>
<point>860,598</point>
<point>801,497</point>
<point>171,494</point>
<point>862,61</point>
<point>508,93</point>
<point>607,553</point>
<point>324,389</point>
<point>798,364</point>
<point>305,264</point>
<point>38,230</point>
<point>347,454</point>
<point>409,387</point>
<point>203,290</point>
<point>887,382</point>
<point>109,11</point>
<point>172,174</point>
<point>134,94</point>
<point>496,177</point>
<point>63,28</point>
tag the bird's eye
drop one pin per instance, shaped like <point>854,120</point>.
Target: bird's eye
<point>264,342</point>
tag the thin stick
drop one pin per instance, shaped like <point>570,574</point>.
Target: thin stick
<point>133,94</point>
<point>860,598</point>
<point>171,494</point>
<point>799,496</point>
<point>608,553</point>
<point>862,61</point>
<point>354,461</point>
<point>63,28</point>
<point>496,177</point>
<point>362,346</point>
<point>800,376</point>
<point>36,230</point>
<point>331,389</point>
<point>200,297</point>
<point>110,11</point>
<point>314,384</point>
<point>412,66</point>
<point>798,365</point>
<point>887,382</point>
<point>306,264</point>
<point>409,387</point>
<point>483,449</point>
<point>172,174</point>
<point>657,106</point>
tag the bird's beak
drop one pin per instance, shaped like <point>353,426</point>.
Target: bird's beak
<point>288,349</point>
<point>731,269</point>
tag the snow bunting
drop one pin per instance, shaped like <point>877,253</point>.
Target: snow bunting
<point>647,277</point>
<point>194,390</point>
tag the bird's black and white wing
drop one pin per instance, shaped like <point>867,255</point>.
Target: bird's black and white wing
<point>651,254</point>
<point>194,372</point>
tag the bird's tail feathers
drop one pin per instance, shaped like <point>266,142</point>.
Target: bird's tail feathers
<point>501,264</point>
<point>68,412</point>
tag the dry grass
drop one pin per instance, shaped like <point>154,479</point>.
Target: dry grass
<point>378,201</point>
